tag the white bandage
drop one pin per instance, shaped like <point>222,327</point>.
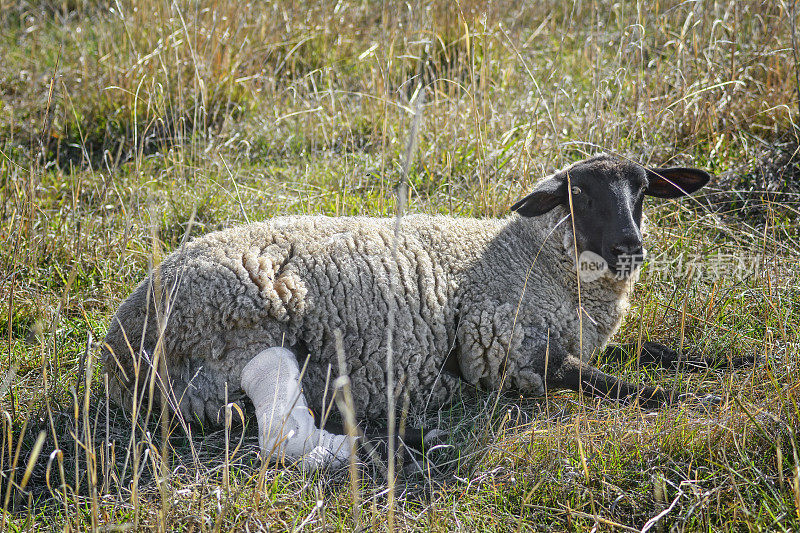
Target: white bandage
<point>285,423</point>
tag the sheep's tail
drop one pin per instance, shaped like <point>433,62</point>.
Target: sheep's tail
<point>129,345</point>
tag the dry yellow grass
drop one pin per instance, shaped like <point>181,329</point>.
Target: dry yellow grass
<point>122,121</point>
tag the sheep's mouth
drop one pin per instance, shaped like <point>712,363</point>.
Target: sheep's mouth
<point>625,266</point>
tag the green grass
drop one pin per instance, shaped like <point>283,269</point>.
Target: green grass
<point>122,122</point>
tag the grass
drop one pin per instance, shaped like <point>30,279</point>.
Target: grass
<point>122,122</point>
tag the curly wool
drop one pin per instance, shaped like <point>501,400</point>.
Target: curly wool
<point>495,291</point>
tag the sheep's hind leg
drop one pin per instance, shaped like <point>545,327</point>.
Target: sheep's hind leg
<point>285,423</point>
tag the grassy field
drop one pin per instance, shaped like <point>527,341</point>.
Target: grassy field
<point>126,127</point>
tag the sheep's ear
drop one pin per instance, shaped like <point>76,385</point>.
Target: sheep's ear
<point>549,193</point>
<point>675,182</point>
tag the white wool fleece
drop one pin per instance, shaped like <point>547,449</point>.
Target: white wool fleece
<point>492,292</point>
<point>285,423</point>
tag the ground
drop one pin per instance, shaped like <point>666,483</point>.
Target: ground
<point>126,127</point>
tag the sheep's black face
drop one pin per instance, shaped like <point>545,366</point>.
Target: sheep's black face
<point>607,204</point>
<point>606,195</point>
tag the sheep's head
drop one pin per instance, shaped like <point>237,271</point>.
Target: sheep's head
<point>606,194</point>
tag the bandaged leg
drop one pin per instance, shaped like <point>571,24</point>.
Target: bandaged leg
<point>285,423</point>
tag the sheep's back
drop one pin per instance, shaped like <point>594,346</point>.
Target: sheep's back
<point>296,281</point>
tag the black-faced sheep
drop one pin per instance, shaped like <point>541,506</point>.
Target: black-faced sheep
<point>497,303</point>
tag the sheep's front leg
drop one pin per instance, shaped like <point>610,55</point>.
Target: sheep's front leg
<point>576,375</point>
<point>563,370</point>
<point>285,423</point>
<point>655,354</point>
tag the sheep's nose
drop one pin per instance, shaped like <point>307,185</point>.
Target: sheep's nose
<point>627,249</point>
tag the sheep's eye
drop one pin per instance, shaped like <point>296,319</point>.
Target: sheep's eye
<point>576,190</point>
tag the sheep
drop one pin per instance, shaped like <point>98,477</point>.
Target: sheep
<point>254,311</point>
